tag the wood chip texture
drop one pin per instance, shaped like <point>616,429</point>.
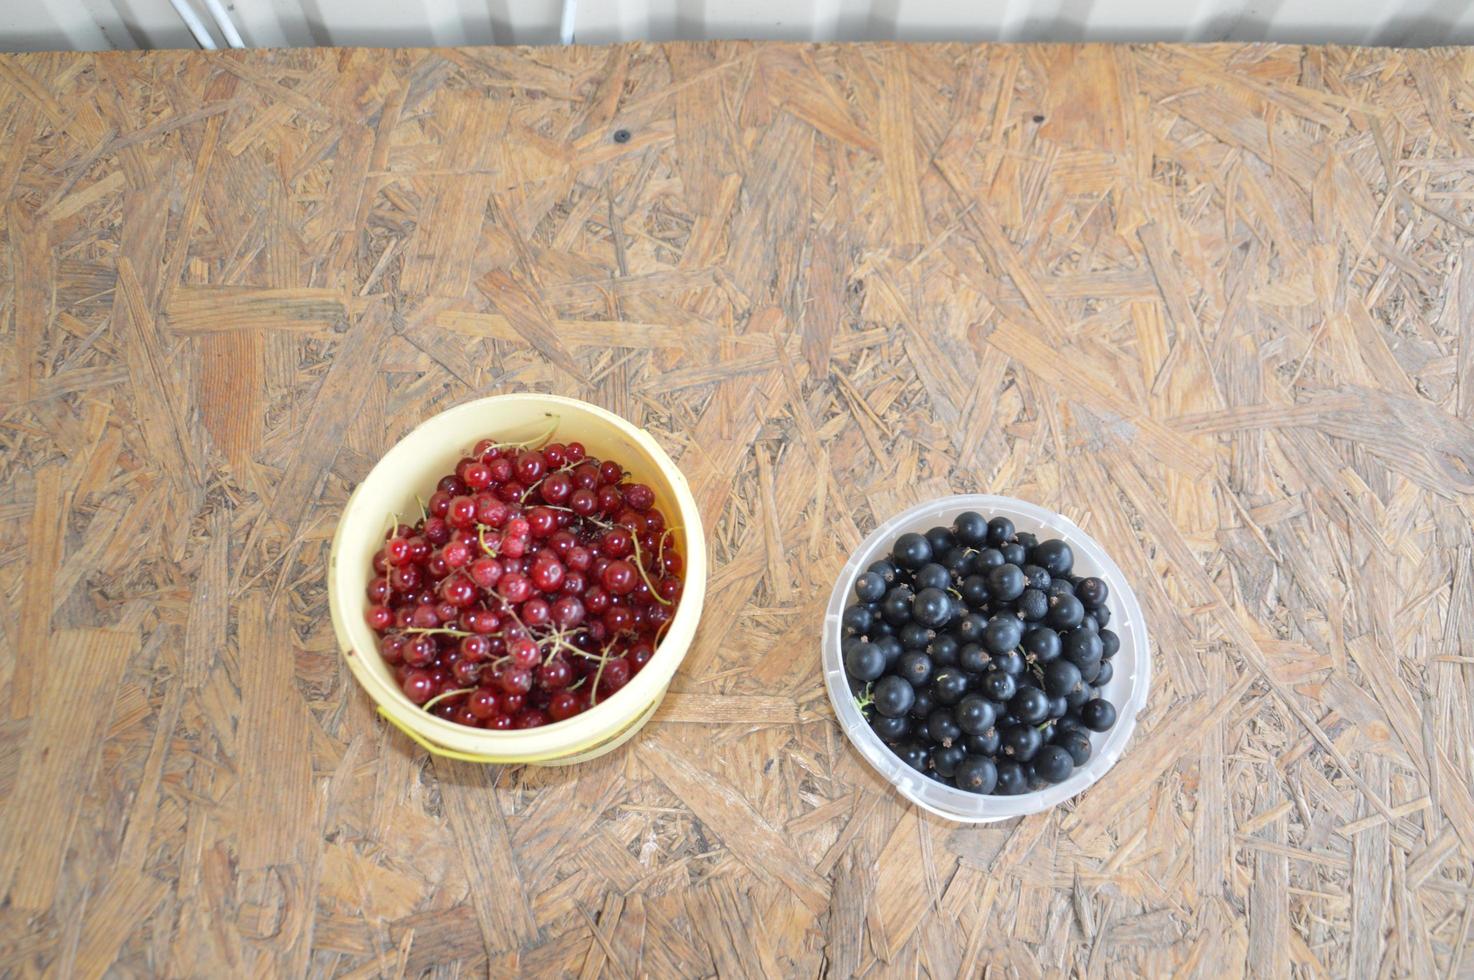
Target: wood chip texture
<point>1215,304</point>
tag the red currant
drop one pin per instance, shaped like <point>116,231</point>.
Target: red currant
<point>379,618</point>
<point>610,471</point>
<point>554,454</point>
<point>518,680</point>
<point>574,452</point>
<point>542,522</point>
<point>536,612</point>
<point>596,601</point>
<point>616,675</point>
<point>439,504</point>
<point>378,589</point>
<point>424,617</point>
<point>567,612</point>
<point>418,686</point>
<point>562,705</point>
<point>530,466</point>
<point>458,590</point>
<point>557,488</point>
<point>466,672</point>
<point>462,512</point>
<point>514,587</point>
<point>618,619</point>
<point>548,575</point>
<point>609,500</point>
<point>397,551</point>
<point>639,496</point>
<point>437,532</point>
<point>477,475</point>
<point>501,470</point>
<point>616,543</point>
<point>491,511</point>
<point>530,718</point>
<point>619,578</point>
<point>483,703</point>
<point>451,484</point>
<point>584,503</point>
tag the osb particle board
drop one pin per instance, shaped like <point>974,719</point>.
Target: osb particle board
<point>1213,303</point>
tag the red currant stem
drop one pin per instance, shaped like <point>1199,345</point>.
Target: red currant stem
<point>424,514</point>
<point>577,684</point>
<point>436,631</point>
<point>445,696</point>
<point>592,520</point>
<point>664,628</point>
<point>481,537</point>
<point>640,564</point>
<point>594,688</point>
<point>393,525</point>
<point>536,441</point>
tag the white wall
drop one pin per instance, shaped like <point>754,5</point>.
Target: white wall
<point>98,24</point>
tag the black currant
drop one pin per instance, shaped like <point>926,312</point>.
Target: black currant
<point>914,636</point>
<point>942,727</point>
<point>971,529</point>
<point>1000,531</point>
<point>1065,612</point>
<point>1110,644</point>
<point>923,704</point>
<point>975,714</point>
<point>896,606</point>
<point>1058,706</point>
<point>999,686</point>
<point>1011,779</point>
<point>974,591</point>
<point>932,576</point>
<point>869,587</point>
<point>890,729</point>
<point>1015,554</point>
<point>1036,576</point>
<point>1002,633</point>
<point>914,667</point>
<point>1042,644</point>
<point>949,685</point>
<point>1053,764</point>
<point>969,628</point>
<point>1031,705</point>
<point>1009,663</point>
<point>1103,674</point>
<point>1026,539</point>
<point>1092,591</point>
<point>1076,743</point>
<point>976,774</point>
<point>893,696</point>
<point>959,561</point>
<point>1060,586</point>
<point>1054,555</point>
<point>890,648</point>
<point>864,662</point>
<point>1033,605</point>
<point>886,569</point>
<point>1006,583</point>
<point>1099,715</point>
<point>1061,677</point>
<point>857,620</point>
<point>1082,646</point>
<point>940,539</point>
<point>931,607</point>
<point>912,550</point>
<point>984,743</point>
<point>945,759</point>
<point>943,650</point>
<point>973,659</point>
<point>1021,742</point>
<point>989,559</point>
<point>914,754</point>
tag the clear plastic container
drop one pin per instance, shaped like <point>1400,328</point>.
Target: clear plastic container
<point>1127,689</point>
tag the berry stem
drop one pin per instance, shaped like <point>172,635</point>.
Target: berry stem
<point>640,564</point>
<point>436,631</point>
<point>445,696</point>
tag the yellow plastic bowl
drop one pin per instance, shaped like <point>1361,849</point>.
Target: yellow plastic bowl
<point>411,469</point>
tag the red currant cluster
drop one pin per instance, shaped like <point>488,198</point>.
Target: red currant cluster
<point>536,585</point>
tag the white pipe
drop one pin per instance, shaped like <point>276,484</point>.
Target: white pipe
<point>192,21</point>
<point>565,25</point>
<point>226,25</point>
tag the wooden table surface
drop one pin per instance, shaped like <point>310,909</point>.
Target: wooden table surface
<point>1216,304</point>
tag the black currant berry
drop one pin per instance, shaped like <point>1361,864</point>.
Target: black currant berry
<point>1054,555</point>
<point>1031,705</point>
<point>1065,612</point>
<point>1053,764</point>
<point>1092,591</point>
<point>976,774</point>
<point>1011,779</point>
<point>1006,583</point>
<point>1021,742</point>
<point>1000,531</point>
<point>1042,644</point>
<point>864,662</point>
<point>856,620</point>
<point>1099,715</point>
<point>973,659</point>
<point>914,667</point>
<point>870,587</point>
<point>912,550</point>
<point>999,686</point>
<point>971,529</point>
<point>932,608</point>
<point>893,696</point>
<point>949,685</point>
<point>945,759</point>
<point>975,714</point>
<point>1002,633</point>
<point>890,729</point>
